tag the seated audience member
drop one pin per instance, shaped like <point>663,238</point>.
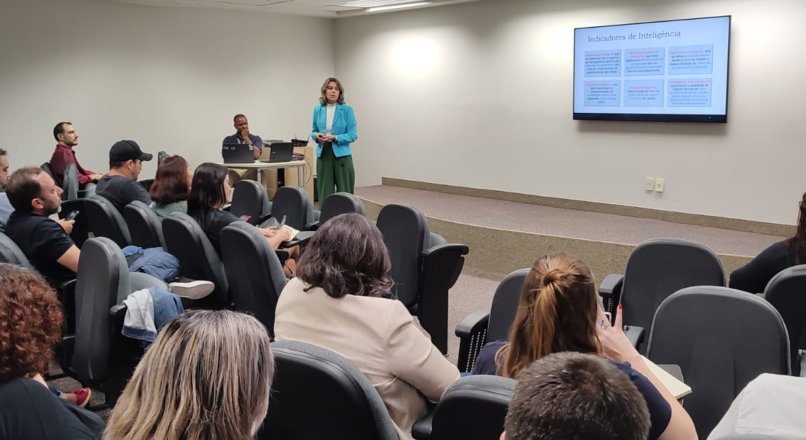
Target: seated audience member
<point>209,192</point>
<point>559,311</point>
<point>120,185</point>
<point>171,187</point>
<point>575,396</point>
<point>754,276</point>
<point>207,376</point>
<point>30,328</point>
<point>46,242</point>
<point>243,136</point>
<point>65,155</point>
<point>5,206</point>
<point>769,405</point>
<point>341,300</point>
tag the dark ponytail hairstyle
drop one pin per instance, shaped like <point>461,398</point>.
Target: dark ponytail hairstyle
<point>800,236</point>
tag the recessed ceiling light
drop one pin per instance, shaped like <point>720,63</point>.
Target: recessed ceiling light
<point>372,3</point>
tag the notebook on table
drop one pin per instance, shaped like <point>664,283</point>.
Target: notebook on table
<point>674,385</point>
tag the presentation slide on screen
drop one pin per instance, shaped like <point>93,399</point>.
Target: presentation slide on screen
<point>672,67</point>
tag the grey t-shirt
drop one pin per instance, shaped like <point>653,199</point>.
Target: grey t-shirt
<point>121,191</point>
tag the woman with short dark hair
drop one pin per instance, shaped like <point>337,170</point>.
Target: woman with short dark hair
<point>171,187</point>
<point>209,192</point>
<point>341,300</point>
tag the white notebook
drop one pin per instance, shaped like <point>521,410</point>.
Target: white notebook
<point>677,388</point>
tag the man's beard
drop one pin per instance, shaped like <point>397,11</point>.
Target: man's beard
<point>52,209</point>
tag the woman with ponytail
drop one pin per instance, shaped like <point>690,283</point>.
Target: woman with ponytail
<point>559,311</point>
<point>754,276</point>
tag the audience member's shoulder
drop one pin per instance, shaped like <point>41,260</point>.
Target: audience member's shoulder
<point>31,221</point>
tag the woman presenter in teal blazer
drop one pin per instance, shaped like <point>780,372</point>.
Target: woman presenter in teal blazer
<point>334,129</point>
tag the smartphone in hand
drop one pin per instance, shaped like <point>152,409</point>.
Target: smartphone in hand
<point>72,215</point>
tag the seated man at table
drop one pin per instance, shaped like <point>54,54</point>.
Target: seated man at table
<point>120,185</point>
<point>242,136</point>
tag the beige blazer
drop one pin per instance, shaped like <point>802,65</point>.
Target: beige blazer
<point>379,336</point>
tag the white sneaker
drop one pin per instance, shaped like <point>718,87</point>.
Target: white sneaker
<point>192,289</point>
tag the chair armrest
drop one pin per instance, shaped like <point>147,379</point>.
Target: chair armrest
<point>282,255</point>
<point>472,333</point>
<point>118,311</point>
<point>447,252</point>
<point>439,268</point>
<point>610,285</point>
<point>635,334</point>
<point>473,323</point>
<point>422,428</point>
<point>312,226</point>
<point>302,238</point>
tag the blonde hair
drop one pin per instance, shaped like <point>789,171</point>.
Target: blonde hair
<point>323,98</point>
<point>207,376</point>
<point>557,312</point>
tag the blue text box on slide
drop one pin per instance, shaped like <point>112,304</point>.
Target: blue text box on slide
<point>603,63</point>
<point>649,61</point>
<point>687,60</point>
<point>643,93</point>
<point>602,93</point>
<point>695,92</point>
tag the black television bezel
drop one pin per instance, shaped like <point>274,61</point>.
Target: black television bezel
<point>640,117</point>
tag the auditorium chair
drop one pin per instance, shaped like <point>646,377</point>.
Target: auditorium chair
<point>472,407</point>
<point>490,324</point>
<point>656,269</point>
<point>722,339</point>
<point>787,293</point>
<point>198,259</point>
<point>317,394</point>
<point>293,203</point>
<point>250,198</point>
<point>101,356</point>
<point>11,253</point>
<point>46,167</point>
<point>340,203</point>
<point>424,267</point>
<point>145,228</point>
<point>106,221</point>
<point>254,272</point>
<point>70,187</point>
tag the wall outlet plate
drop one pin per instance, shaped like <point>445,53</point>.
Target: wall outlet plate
<point>650,184</point>
<point>659,185</point>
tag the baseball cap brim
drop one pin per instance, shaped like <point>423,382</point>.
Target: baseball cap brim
<point>145,157</point>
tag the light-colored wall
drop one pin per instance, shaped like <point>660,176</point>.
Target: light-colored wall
<point>480,95</point>
<point>169,78</point>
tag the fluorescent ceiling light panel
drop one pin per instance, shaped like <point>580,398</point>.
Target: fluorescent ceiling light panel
<point>372,3</point>
<point>400,6</point>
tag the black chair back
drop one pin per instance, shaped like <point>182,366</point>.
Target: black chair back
<point>340,203</point>
<point>722,339</point>
<point>505,305</point>
<point>317,394</point>
<point>658,268</point>
<point>11,253</point>
<point>473,407</point>
<point>198,259</point>
<point>787,293</point>
<point>106,221</point>
<point>292,202</point>
<point>46,166</point>
<point>254,271</point>
<point>102,356</point>
<point>144,226</point>
<point>250,198</point>
<point>70,184</point>
<point>405,232</point>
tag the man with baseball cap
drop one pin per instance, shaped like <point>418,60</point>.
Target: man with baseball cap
<point>120,185</point>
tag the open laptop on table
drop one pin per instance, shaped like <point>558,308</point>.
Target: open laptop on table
<point>237,153</point>
<point>280,152</point>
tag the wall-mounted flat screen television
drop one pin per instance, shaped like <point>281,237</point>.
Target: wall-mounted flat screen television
<point>664,71</point>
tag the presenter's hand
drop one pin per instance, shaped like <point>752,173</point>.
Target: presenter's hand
<point>320,138</point>
<point>329,138</point>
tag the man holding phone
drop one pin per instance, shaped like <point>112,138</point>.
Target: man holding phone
<point>243,136</point>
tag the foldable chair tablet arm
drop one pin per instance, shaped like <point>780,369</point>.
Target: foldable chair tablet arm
<point>610,291</point>
<point>472,333</point>
<point>441,266</point>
